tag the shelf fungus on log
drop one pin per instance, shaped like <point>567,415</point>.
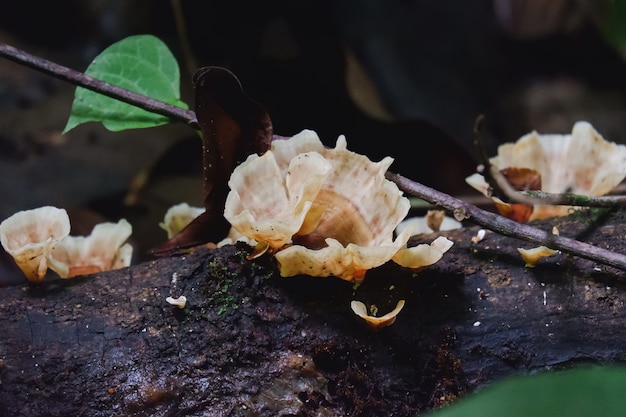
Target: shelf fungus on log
<point>39,240</point>
<point>323,211</point>
<point>103,250</point>
<point>582,162</point>
<point>29,237</point>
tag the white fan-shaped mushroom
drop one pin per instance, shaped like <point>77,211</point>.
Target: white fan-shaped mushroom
<point>103,250</point>
<point>178,217</point>
<point>582,162</point>
<point>324,211</point>
<point>30,235</point>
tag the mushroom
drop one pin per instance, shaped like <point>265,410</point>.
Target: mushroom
<point>582,162</point>
<point>29,236</point>
<point>269,202</point>
<point>374,322</point>
<point>179,216</point>
<point>179,302</point>
<point>433,221</point>
<point>534,255</point>
<point>420,256</point>
<point>322,211</point>
<point>104,249</point>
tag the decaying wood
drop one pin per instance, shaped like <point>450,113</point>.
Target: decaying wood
<point>250,343</point>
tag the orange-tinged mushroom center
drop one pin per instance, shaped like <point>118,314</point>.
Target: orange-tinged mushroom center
<point>340,220</point>
<point>83,270</point>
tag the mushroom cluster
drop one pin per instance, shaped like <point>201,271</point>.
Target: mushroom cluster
<point>323,211</point>
<point>39,240</point>
<point>582,162</point>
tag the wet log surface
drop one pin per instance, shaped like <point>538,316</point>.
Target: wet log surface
<point>250,343</point>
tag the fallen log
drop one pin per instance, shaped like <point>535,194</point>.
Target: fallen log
<point>250,343</point>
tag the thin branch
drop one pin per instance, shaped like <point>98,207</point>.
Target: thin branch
<point>568,199</point>
<point>507,227</point>
<point>93,84</point>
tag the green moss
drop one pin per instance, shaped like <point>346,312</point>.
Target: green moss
<point>221,299</point>
<point>589,215</point>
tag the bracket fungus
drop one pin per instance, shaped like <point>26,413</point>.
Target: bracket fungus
<point>103,250</point>
<point>582,162</point>
<point>39,240</point>
<point>29,237</point>
<point>322,211</point>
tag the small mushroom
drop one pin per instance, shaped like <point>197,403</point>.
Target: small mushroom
<point>480,235</point>
<point>103,250</point>
<point>376,323</point>
<point>29,236</point>
<point>424,224</point>
<point>179,216</point>
<point>534,255</point>
<point>420,256</point>
<point>179,302</point>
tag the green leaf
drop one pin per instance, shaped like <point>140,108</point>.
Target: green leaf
<point>140,63</point>
<point>578,392</point>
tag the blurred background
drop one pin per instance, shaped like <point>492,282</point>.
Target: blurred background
<point>400,78</point>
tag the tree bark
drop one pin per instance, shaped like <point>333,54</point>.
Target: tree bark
<point>250,343</point>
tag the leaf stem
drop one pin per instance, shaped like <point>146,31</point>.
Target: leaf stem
<point>99,86</point>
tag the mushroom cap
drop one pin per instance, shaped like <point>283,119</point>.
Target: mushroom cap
<point>420,256</point>
<point>104,249</point>
<point>270,203</point>
<point>532,256</point>
<point>178,217</point>
<point>376,323</point>
<point>180,301</point>
<point>421,225</point>
<point>323,211</point>
<point>349,262</point>
<point>30,235</point>
<point>582,162</point>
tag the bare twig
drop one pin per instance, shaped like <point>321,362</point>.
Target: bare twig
<point>507,227</point>
<point>532,197</point>
<point>93,84</point>
<point>568,199</point>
